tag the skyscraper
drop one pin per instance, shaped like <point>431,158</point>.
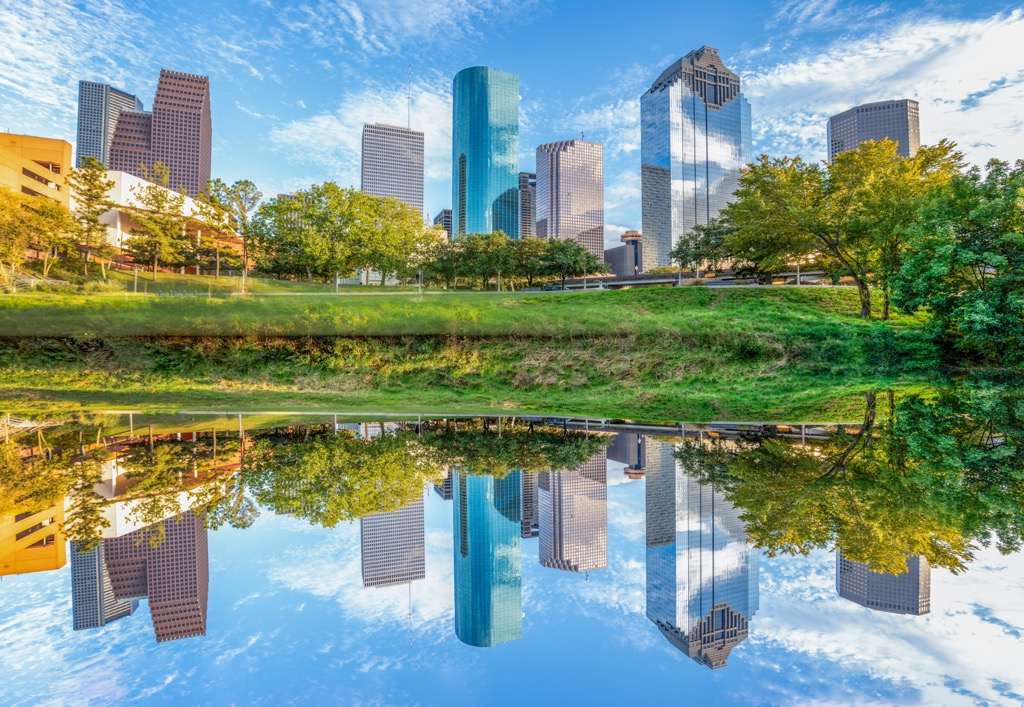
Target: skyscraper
<point>527,200</point>
<point>570,193</point>
<point>488,569</point>
<point>485,152</point>
<point>392,546</point>
<point>896,120</point>
<point>694,138</point>
<point>392,163</point>
<point>177,133</point>
<point>99,106</point>
<point>909,592</point>
<point>444,219</point>
<point>444,489</point>
<point>574,517</point>
<point>701,572</point>
<point>174,575</point>
<point>93,603</point>
<point>529,518</point>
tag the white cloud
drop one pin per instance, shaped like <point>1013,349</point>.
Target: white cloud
<point>821,15</point>
<point>968,76</point>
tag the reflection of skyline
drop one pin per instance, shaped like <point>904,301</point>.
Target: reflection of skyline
<point>628,448</point>
<point>909,592</point>
<point>573,511</point>
<point>488,568</point>
<point>701,572</point>
<point>93,603</point>
<point>392,546</point>
<point>174,575</point>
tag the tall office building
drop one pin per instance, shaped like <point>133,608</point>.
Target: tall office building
<point>694,138</point>
<point>444,219</point>
<point>444,489</point>
<point>896,120</point>
<point>909,592</point>
<point>529,517</point>
<point>527,200</point>
<point>392,163</point>
<point>488,568</point>
<point>93,603</point>
<point>574,517</point>
<point>177,133</point>
<point>392,546</point>
<point>485,152</point>
<point>174,575</point>
<point>701,572</point>
<point>570,193</point>
<point>99,106</point>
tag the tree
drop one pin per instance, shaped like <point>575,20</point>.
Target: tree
<point>566,258</point>
<point>965,264</point>
<point>528,258</point>
<point>443,261</point>
<point>240,201</point>
<point>55,230</point>
<point>91,186</point>
<point>17,221</point>
<point>486,255</point>
<point>159,218</point>
<point>705,246</point>
<point>394,233</point>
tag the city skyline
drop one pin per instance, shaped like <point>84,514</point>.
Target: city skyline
<point>286,123</point>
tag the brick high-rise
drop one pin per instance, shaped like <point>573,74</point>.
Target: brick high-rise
<point>177,133</point>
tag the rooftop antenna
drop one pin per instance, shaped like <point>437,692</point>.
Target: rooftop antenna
<point>409,103</point>
<point>583,134</point>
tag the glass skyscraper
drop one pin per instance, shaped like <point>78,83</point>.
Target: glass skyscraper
<point>570,193</point>
<point>488,568</point>
<point>695,137</point>
<point>485,152</point>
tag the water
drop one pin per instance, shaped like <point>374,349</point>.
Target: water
<point>502,561</point>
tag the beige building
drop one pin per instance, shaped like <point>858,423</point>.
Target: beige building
<point>570,193</point>
<point>33,542</point>
<point>35,165</point>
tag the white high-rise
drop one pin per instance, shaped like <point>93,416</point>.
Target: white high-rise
<point>392,546</point>
<point>392,163</point>
<point>93,603</point>
<point>99,105</point>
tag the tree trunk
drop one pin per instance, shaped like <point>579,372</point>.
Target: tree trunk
<point>865,297</point>
<point>885,304</point>
<point>563,281</point>
<point>154,268</point>
<point>217,276</point>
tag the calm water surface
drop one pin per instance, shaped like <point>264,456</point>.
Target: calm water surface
<point>468,562</point>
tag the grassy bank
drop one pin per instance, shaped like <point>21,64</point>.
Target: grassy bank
<point>685,354</point>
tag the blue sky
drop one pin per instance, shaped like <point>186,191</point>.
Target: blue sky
<point>289,622</point>
<point>292,82</point>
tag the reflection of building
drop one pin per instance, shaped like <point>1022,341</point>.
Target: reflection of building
<point>392,546</point>
<point>529,520</point>
<point>99,106</point>
<point>174,575</point>
<point>488,570</point>
<point>628,448</point>
<point>895,120</point>
<point>33,541</point>
<point>570,193</point>
<point>35,165</point>
<point>392,164</point>
<point>93,603</point>
<point>178,133</point>
<point>444,219</point>
<point>574,517</point>
<point>444,489</point>
<point>527,201</point>
<point>909,592</point>
<point>485,152</point>
<point>701,573</point>
<point>694,138</point>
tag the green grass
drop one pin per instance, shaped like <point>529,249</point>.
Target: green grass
<point>661,354</point>
<point>170,283</point>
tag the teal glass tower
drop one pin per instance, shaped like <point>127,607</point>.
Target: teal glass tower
<point>488,568</point>
<point>485,152</point>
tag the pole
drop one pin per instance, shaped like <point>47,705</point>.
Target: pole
<point>336,278</point>
<point>136,287</point>
<point>798,273</point>
<point>419,282</point>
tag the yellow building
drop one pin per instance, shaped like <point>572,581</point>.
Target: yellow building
<point>36,165</point>
<point>33,542</point>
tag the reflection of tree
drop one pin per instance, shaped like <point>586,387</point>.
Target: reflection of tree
<point>933,479</point>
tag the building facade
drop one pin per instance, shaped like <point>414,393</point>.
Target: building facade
<point>93,603</point>
<point>444,220</point>
<point>573,510</point>
<point>527,201</point>
<point>174,574</point>
<point>570,193</point>
<point>488,567</point>
<point>702,575</point>
<point>392,546</point>
<point>36,165</point>
<point>628,258</point>
<point>33,541</point>
<point>529,513</point>
<point>485,152</point>
<point>392,163</point>
<point>896,120</point>
<point>909,592</point>
<point>694,139</point>
<point>99,106</point>
<point>178,133</point>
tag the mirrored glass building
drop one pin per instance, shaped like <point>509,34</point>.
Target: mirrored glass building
<point>570,193</point>
<point>485,152</point>
<point>695,137</point>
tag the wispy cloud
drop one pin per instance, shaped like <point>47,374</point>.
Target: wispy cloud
<point>798,16</point>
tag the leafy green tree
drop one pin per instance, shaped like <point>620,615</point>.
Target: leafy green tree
<point>566,258</point>
<point>485,255</point>
<point>528,258</point>
<point>395,237</point>
<point>17,223</point>
<point>965,264</point>
<point>55,230</point>
<point>239,201</point>
<point>159,222</point>
<point>705,246</point>
<point>443,261</point>
<point>91,186</point>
